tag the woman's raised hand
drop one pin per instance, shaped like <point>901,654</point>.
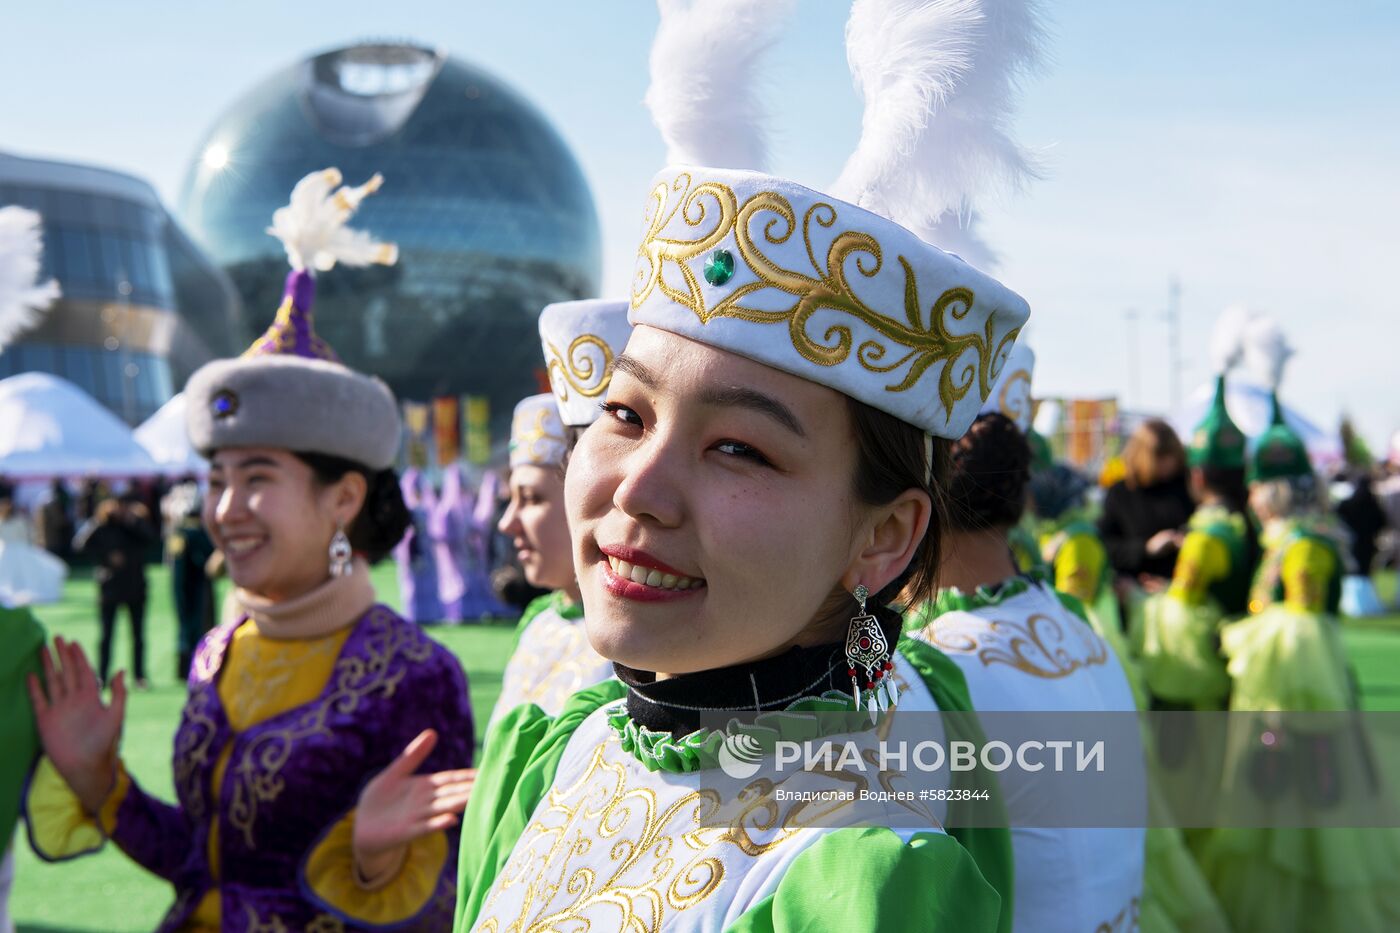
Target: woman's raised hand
<point>398,806</point>
<point>80,733</point>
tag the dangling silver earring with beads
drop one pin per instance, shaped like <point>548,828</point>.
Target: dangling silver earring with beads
<point>341,553</point>
<point>868,659</point>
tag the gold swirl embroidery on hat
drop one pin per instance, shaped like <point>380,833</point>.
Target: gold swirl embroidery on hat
<point>535,438</point>
<point>825,287</point>
<point>586,371</point>
<point>1014,406</point>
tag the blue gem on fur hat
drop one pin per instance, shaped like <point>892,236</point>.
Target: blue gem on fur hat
<point>224,404</point>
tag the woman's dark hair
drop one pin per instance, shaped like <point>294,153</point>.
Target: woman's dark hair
<point>991,465</point>
<point>1149,443</point>
<point>891,457</point>
<point>383,519</point>
<point>1227,483</point>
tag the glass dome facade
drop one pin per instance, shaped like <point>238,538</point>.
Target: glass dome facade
<point>491,213</point>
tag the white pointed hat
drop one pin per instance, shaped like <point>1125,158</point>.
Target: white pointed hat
<point>536,433</point>
<point>838,288</point>
<point>580,341</point>
<point>1011,396</point>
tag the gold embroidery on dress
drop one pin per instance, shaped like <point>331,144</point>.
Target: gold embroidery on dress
<point>553,662</point>
<point>260,762</point>
<point>659,859</point>
<point>325,923</point>
<point>586,367</point>
<point>824,287</point>
<point>1039,646</point>
<point>195,738</point>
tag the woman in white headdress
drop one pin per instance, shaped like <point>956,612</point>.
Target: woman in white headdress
<point>759,492</point>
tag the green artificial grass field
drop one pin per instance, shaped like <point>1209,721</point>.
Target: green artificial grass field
<point>107,892</point>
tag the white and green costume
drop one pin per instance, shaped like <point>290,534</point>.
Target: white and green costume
<point>552,659</point>
<point>1020,648</point>
<point>587,820</point>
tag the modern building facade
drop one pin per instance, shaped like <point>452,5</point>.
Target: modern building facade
<point>142,307</point>
<point>490,210</point>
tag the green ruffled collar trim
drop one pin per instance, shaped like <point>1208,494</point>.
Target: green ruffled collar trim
<point>699,750</point>
<point>952,599</point>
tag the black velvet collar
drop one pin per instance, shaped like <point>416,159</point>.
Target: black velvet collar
<point>678,704</point>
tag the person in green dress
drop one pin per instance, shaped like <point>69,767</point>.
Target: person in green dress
<point>1180,638</point>
<point>747,515</point>
<point>1287,656</point>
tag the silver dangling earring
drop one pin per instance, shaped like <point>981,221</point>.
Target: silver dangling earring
<point>868,656</point>
<point>341,553</point>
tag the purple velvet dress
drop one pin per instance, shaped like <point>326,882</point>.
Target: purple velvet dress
<point>292,777</point>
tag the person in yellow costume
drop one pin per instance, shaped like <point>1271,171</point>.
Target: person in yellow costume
<point>1181,626</point>
<point>1287,656</point>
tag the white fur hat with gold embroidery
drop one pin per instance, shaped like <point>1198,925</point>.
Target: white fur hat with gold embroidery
<point>840,288</point>
<point>536,433</point>
<point>1011,396</point>
<point>580,340</point>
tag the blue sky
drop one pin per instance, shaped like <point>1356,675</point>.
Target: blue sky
<point>1250,148</point>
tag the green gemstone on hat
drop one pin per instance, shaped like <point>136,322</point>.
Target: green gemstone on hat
<point>719,267</point>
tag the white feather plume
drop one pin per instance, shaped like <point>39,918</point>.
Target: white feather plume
<point>958,234</point>
<point>23,298</point>
<point>1266,349</point>
<point>312,227</point>
<point>939,79</point>
<point>704,79</point>
<point>1227,338</point>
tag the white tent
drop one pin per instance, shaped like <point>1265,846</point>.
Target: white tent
<point>50,427</point>
<point>1251,409</point>
<point>165,439</point>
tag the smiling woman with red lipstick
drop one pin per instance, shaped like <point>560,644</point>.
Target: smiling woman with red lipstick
<point>759,495</point>
<point>298,802</point>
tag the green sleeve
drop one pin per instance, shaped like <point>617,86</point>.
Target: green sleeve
<point>855,880</point>
<point>23,637</point>
<point>989,843</point>
<point>510,784</point>
<point>512,739</point>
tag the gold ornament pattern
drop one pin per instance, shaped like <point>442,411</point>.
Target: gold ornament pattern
<point>1041,646</point>
<point>535,437</point>
<point>391,650</point>
<point>1015,405</point>
<point>586,368</point>
<point>712,213</point>
<point>602,848</point>
<point>552,662</point>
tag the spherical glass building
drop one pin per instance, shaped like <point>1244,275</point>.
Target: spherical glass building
<point>490,210</point>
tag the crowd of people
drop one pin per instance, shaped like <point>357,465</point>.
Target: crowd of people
<point>789,488</point>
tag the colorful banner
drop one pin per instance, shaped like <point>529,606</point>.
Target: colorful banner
<point>415,419</point>
<point>447,430</point>
<point>476,421</point>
